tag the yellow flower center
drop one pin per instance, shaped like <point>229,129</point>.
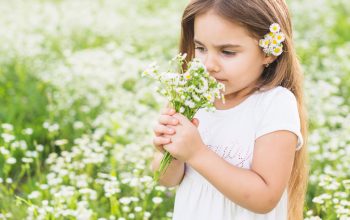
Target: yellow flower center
<point>277,50</point>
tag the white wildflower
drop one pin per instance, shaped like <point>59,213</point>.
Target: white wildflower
<point>157,200</point>
<point>11,160</point>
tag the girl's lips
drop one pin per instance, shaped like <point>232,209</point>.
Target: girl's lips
<point>220,80</point>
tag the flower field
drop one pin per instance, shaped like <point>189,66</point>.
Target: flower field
<point>76,116</point>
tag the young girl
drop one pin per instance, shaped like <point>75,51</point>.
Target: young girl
<point>247,159</point>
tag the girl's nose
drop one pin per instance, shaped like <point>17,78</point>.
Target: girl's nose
<point>211,64</point>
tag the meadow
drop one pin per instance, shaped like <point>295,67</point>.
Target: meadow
<point>76,116</point>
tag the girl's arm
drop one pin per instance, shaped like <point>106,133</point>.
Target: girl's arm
<point>174,174</point>
<point>260,188</point>
<point>176,170</point>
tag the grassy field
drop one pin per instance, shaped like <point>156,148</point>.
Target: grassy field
<point>76,116</point>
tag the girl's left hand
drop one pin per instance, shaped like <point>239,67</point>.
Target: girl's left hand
<point>186,141</point>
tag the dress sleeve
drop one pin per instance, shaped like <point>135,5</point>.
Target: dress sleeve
<point>280,113</point>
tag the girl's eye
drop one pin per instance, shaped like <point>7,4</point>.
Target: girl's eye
<point>199,48</point>
<point>228,52</point>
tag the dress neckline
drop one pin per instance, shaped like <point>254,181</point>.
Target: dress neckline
<point>224,112</point>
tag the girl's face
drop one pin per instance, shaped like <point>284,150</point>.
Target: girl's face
<point>229,53</point>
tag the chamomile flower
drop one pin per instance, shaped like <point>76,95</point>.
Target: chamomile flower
<point>277,51</point>
<point>274,28</point>
<point>272,42</point>
<point>209,96</point>
<point>269,36</point>
<point>182,110</point>
<point>187,75</point>
<point>264,43</point>
<point>11,160</point>
<point>280,37</point>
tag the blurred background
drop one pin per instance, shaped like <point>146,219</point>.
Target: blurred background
<point>76,116</point>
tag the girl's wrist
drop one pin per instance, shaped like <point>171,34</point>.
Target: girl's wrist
<point>199,155</point>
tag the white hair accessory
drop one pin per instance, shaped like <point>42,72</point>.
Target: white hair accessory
<point>272,42</point>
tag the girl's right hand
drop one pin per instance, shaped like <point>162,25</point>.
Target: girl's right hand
<point>162,131</point>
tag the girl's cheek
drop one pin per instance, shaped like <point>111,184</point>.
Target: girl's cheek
<point>240,63</point>
<point>234,69</point>
<point>232,65</point>
<point>200,56</point>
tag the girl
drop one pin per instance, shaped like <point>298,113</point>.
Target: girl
<point>247,159</point>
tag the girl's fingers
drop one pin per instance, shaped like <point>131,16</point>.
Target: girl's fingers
<point>195,121</point>
<point>160,129</point>
<point>168,120</point>
<point>159,141</point>
<point>168,111</point>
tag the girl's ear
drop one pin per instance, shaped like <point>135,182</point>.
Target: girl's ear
<point>269,59</point>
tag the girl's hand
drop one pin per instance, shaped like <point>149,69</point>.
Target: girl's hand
<point>186,140</point>
<point>162,129</point>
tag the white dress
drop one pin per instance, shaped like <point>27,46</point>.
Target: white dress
<point>231,134</point>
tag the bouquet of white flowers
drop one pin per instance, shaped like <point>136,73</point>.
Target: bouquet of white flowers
<point>187,91</point>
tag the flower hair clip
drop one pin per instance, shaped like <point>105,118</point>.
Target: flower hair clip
<point>272,42</point>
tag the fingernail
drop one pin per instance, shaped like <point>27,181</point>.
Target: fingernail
<point>174,120</point>
<point>171,130</point>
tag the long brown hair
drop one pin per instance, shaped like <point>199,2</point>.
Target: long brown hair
<point>257,16</point>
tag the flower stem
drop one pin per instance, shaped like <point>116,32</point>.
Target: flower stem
<point>164,164</point>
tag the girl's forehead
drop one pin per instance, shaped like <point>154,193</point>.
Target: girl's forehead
<point>210,25</point>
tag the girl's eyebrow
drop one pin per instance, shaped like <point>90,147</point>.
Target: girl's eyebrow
<point>219,46</point>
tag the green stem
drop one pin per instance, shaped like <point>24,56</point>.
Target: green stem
<point>164,164</point>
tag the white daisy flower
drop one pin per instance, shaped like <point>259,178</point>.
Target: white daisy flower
<point>11,160</point>
<point>138,209</point>
<point>221,86</point>
<point>274,28</point>
<point>28,131</point>
<point>209,97</point>
<point>280,37</point>
<point>268,36</point>
<point>262,42</point>
<point>34,195</point>
<point>274,43</point>
<point>318,200</point>
<point>157,200</point>
<point>195,97</point>
<point>187,75</point>
<point>267,50</point>
<point>9,180</point>
<point>7,126</point>
<point>277,51</point>
<point>182,110</point>
<point>190,103</point>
